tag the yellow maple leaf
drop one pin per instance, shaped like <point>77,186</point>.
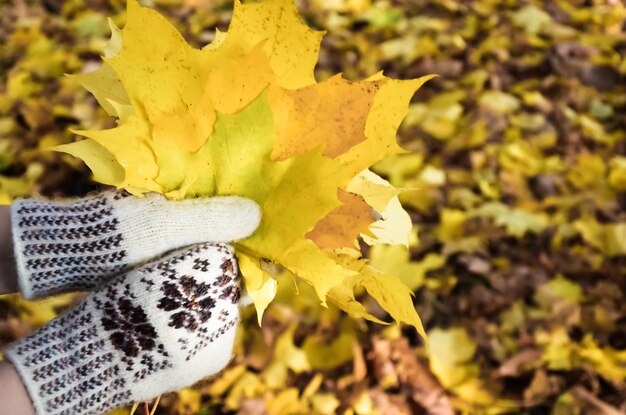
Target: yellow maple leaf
<point>106,169</point>
<point>245,116</point>
<point>332,113</point>
<point>104,83</point>
<point>261,286</point>
<point>389,291</point>
<point>291,46</point>
<point>394,224</point>
<point>450,356</point>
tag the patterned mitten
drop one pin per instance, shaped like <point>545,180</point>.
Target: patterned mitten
<point>156,329</point>
<point>79,245</point>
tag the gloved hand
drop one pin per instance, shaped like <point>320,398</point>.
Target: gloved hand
<point>156,329</point>
<point>79,245</point>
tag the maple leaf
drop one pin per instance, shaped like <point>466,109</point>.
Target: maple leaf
<point>244,116</point>
<point>342,226</point>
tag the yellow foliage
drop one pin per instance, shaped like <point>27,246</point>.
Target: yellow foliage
<point>286,401</point>
<point>12,187</point>
<point>332,113</point>
<point>523,133</point>
<point>291,47</point>
<point>245,116</point>
<point>561,353</point>
<point>286,357</point>
<point>395,260</point>
<point>189,401</point>
<point>609,238</point>
<point>394,224</point>
<point>259,283</point>
<point>39,312</point>
<point>325,355</point>
<point>106,169</point>
<point>325,403</point>
<point>617,175</point>
<point>516,221</point>
<point>450,355</point>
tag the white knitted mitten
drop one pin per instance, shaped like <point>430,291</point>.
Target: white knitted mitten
<point>156,329</point>
<point>78,245</point>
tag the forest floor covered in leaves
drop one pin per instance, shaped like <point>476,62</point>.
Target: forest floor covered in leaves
<point>515,181</point>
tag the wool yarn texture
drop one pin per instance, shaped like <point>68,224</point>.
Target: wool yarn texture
<point>79,245</point>
<point>156,329</point>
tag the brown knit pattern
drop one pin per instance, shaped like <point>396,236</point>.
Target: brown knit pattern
<point>69,246</point>
<point>69,351</point>
<point>128,333</point>
<point>190,303</point>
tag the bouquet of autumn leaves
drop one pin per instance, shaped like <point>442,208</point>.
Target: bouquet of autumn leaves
<point>245,116</point>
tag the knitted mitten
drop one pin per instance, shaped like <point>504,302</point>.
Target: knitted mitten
<point>156,329</point>
<point>69,246</point>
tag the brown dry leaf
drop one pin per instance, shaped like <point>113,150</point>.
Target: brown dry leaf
<point>341,227</point>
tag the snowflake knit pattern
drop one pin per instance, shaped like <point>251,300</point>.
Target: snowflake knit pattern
<point>156,329</point>
<point>79,245</point>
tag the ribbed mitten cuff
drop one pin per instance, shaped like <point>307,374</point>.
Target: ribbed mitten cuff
<point>154,330</point>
